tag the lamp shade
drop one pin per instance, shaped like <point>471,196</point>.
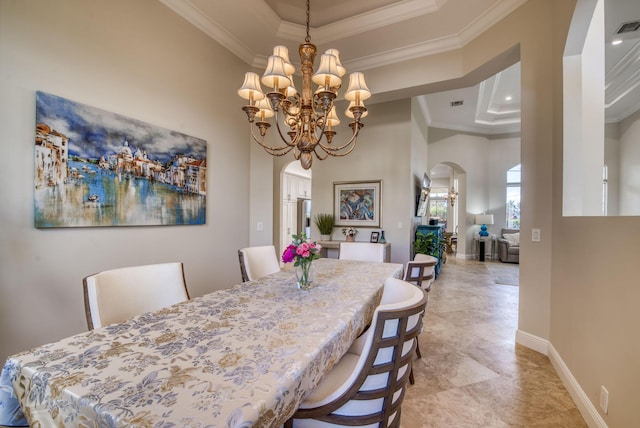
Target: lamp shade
<point>484,219</point>
<point>250,89</point>
<point>327,74</point>
<point>357,90</point>
<point>333,119</point>
<point>341,70</point>
<point>349,113</point>
<point>283,53</point>
<point>275,75</point>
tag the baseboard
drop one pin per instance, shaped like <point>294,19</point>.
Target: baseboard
<point>532,342</point>
<point>584,405</point>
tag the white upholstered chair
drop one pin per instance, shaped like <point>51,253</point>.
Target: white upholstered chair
<point>119,294</point>
<point>362,251</point>
<point>259,261</point>
<point>367,386</point>
<point>421,271</point>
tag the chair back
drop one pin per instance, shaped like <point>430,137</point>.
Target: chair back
<point>362,251</point>
<point>259,261</point>
<point>374,390</point>
<point>116,295</point>
<point>421,271</point>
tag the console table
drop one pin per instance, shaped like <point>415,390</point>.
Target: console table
<point>330,249</point>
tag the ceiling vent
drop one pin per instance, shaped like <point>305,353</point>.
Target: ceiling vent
<point>457,103</point>
<point>628,27</point>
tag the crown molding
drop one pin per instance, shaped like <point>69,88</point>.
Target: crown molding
<point>363,22</point>
<point>348,27</point>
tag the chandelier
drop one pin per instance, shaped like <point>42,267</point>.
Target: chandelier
<point>453,194</point>
<point>304,119</point>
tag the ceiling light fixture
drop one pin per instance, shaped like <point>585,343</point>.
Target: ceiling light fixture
<point>616,42</point>
<point>452,196</point>
<point>508,98</point>
<point>309,116</point>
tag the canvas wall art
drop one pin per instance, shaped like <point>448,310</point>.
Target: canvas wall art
<point>97,168</point>
<point>357,203</point>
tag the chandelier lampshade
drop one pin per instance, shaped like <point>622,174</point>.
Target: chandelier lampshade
<point>305,120</point>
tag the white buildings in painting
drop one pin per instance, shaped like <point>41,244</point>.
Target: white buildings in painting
<point>52,156</point>
<point>52,160</point>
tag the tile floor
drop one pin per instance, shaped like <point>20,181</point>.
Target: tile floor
<point>472,374</point>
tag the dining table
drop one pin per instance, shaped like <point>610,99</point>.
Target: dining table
<point>243,356</point>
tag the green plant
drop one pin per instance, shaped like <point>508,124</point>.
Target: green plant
<point>429,243</point>
<point>325,223</point>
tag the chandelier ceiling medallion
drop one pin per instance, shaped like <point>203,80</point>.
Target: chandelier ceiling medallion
<point>306,117</point>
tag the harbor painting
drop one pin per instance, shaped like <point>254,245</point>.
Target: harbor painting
<point>95,168</point>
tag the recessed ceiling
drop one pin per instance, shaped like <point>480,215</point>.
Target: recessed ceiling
<point>375,33</point>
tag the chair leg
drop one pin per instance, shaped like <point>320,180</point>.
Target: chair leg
<point>412,381</point>
<point>418,348</point>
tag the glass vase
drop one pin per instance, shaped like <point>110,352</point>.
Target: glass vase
<point>304,275</point>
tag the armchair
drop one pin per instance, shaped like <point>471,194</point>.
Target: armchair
<point>509,246</point>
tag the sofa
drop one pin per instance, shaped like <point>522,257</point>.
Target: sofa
<point>509,246</point>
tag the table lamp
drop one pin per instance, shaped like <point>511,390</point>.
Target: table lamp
<point>484,220</point>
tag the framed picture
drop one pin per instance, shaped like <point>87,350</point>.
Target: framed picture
<point>95,168</point>
<point>374,237</point>
<point>357,203</point>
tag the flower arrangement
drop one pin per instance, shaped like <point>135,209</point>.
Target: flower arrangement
<point>350,232</point>
<point>303,251</point>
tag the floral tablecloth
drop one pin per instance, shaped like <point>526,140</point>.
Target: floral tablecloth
<point>240,357</point>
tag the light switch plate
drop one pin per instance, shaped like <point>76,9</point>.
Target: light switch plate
<point>535,235</point>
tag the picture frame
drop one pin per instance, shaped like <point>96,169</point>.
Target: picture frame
<point>357,203</point>
<point>95,168</point>
<point>374,237</point>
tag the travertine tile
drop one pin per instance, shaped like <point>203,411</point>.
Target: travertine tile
<point>472,373</point>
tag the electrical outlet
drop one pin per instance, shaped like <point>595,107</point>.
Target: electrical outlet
<point>535,235</point>
<point>604,399</point>
<point>260,226</point>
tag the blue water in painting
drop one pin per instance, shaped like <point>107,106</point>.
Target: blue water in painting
<point>104,198</point>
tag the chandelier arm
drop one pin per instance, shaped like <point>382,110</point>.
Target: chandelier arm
<point>272,150</point>
<point>319,155</point>
<point>333,150</point>
<point>293,141</point>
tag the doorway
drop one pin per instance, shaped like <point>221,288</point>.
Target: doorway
<point>295,202</point>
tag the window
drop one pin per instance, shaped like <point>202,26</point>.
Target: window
<point>438,204</point>
<point>513,198</point>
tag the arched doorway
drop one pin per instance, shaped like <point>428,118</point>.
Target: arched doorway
<point>447,199</point>
<point>295,202</point>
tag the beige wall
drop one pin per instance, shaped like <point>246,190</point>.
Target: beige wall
<point>141,60</point>
<point>383,153</point>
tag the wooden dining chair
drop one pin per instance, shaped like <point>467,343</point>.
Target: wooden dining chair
<point>368,384</point>
<point>362,251</point>
<point>421,271</point>
<point>119,294</point>
<point>256,262</point>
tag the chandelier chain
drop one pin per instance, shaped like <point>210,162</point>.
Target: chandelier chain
<point>308,38</point>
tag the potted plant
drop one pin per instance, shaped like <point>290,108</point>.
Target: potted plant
<point>429,244</point>
<point>325,223</point>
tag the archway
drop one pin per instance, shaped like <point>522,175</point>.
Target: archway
<point>295,202</point>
